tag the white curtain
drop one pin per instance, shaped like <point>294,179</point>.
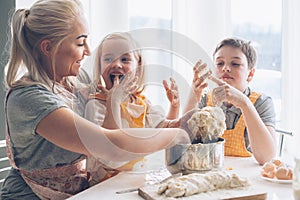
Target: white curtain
<point>198,26</point>
<point>105,16</point>
<point>205,22</point>
<point>291,72</point>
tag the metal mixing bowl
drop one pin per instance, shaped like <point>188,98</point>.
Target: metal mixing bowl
<point>190,158</point>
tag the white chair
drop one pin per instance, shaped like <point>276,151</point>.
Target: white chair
<point>281,134</point>
<point>4,162</point>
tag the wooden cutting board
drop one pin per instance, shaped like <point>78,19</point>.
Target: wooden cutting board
<point>150,193</point>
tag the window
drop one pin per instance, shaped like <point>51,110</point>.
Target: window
<point>24,3</point>
<point>250,21</point>
<point>156,14</point>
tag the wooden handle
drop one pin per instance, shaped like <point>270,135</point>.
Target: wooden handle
<point>261,196</point>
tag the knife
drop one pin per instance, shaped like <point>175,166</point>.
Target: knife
<point>136,189</point>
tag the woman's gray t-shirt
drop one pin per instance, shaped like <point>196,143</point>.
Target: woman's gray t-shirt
<point>26,107</point>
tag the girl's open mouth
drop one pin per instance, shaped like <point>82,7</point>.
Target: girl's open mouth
<point>114,77</point>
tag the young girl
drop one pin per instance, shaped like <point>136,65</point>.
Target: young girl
<point>47,141</point>
<point>118,55</point>
<point>250,116</point>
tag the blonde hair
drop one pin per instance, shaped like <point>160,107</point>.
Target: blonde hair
<point>135,50</point>
<point>46,19</point>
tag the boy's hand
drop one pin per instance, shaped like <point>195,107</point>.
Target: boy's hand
<point>229,94</point>
<point>199,82</point>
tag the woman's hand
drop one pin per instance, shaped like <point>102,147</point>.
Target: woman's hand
<point>184,123</point>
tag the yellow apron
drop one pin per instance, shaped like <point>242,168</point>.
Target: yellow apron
<point>135,115</point>
<point>234,138</point>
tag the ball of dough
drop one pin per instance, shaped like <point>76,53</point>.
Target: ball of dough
<point>284,173</point>
<point>277,162</point>
<point>208,123</point>
<point>268,170</point>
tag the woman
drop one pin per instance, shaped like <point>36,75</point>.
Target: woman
<point>47,141</point>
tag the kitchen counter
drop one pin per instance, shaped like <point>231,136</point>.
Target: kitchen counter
<point>245,167</point>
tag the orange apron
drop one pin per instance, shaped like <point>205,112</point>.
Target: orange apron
<point>135,113</point>
<point>234,138</point>
<point>52,183</point>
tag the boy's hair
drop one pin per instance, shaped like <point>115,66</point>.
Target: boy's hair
<point>243,45</point>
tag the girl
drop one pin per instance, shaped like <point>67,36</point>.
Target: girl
<point>116,57</point>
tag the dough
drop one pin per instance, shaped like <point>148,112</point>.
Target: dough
<point>197,157</point>
<point>208,124</point>
<point>195,183</point>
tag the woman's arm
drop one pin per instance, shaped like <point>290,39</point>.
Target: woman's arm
<point>70,131</point>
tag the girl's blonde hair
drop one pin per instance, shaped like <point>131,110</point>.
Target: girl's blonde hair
<point>46,19</point>
<point>135,50</point>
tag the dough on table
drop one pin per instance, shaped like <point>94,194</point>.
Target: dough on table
<point>195,183</point>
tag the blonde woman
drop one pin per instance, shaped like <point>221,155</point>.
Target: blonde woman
<point>47,141</point>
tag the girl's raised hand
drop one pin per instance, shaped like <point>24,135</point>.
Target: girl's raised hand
<point>172,92</point>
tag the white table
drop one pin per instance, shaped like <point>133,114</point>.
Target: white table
<point>246,167</point>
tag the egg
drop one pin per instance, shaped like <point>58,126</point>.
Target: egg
<point>284,173</point>
<point>268,170</point>
<point>277,169</point>
<point>277,162</point>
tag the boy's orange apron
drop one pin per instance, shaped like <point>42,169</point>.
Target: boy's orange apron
<point>53,183</point>
<point>234,138</point>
